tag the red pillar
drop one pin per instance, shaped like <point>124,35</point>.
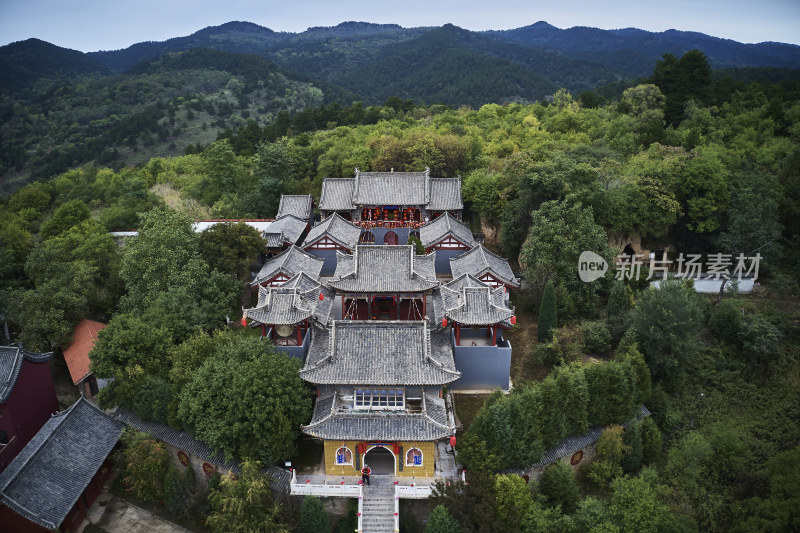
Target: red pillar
<point>494,335</point>
<point>299,342</point>
<point>263,330</point>
<point>458,334</point>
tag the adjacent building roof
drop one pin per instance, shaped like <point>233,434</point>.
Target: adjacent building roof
<point>184,442</point>
<point>77,355</point>
<point>382,268</point>
<point>337,229</point>
<point>334,419</point>
<point>379,353</point>
<point>337,194</point>
<point>47,477</point>
<point>391,188</point>
<point>10,365</point>
<point>470,302</point>
<point>289,262</point>
<point>445,194</point>
<point>295,301</point>
<point>299,205</point>
<point>442,227</point>
<point>480,261</point>
<point>286,229</point>
<point>572,444</point>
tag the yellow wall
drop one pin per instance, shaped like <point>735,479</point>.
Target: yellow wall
<point>426,470</point>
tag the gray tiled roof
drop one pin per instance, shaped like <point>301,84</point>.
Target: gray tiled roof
<point>381,268</point>
<point>445,194</point>
<point>473,305</point>
<point>444,225</point>
<point>292,302</point>
<point>10,364</point>
<point>337,194</point>
<point>431,424</point>
<point>186,443</point>
<point>479,261</point>
<point>390,188</point>
<point>337,229</point>
<point>287,228</point>
<point>379,353</point>
<point>571,445</point>
<point>290,262</point>
<point>299,205</point>
<point>48,476</point>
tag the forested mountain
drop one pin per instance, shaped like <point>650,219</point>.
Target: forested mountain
<point>61,108</point>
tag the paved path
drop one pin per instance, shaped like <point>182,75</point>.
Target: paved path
<point>378,505</point>
<point>118,516</point>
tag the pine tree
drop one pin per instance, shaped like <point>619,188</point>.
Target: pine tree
<point>440,521</point>
<point>617,311</point>
<point>547,313</point>
<point>313,516</point>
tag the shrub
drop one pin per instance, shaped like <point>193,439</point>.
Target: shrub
<point>547,313</point>
<point>651,441</point>
<point>726,321</point>
<point>440,521</point>
<point>559,487</point>
<point>596,337</point>
<point>313,516</point>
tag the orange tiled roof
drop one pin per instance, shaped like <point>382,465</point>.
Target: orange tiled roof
<point>77,355</point>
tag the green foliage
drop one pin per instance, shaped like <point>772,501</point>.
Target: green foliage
<point>182,492</point>
<point>777,510</point>
<point>559,488</point>
<point>440,521</point>
<point>666,321</point>
<point>246,504</point>
<point>470,504</point>
<point>611,449</point>
<point>66,216</point>
<point>313,516</point>
<point>613,392</point>
<point>418,248</point>
<point>635,506</point>
<point>596,337</point>
<point>632,438</point>
<point>559,233</point>
<point>759,337</point>
<point>151,399</point>
<point>231,248</point>
<point>548,319</point>
<point>247,400</point>
<point>618,310</point>
<point>651,441</point>
<point>147,464</point>
<point>513,501</point>
<point>726,320</point>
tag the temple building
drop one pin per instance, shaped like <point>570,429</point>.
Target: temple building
<point>380,401</point>
<point>487,267</point>
<point>384,282</point>
<point>329,236</point>
<point>284,266</point>
<point>448,237</point>
<point>391,205</point>
<point>285,313</point>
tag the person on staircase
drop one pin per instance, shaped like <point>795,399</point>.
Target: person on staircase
<point>365,473</point>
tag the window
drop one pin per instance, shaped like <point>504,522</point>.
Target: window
<point>391,399</point>
<point>344,456</point>
<point>414,457</point>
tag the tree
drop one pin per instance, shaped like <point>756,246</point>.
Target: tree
<point>610,450</point>
<point>247,400</point>
<point>759,337</point>
<point>667,322</point>
<point>548,318</point>
<point>560,231</point>
<point>513,501</point>
<point>635,506</point>
<point>651,441</point>
<point>632,438</point>
<point>440,521</point>
<point>272,171</point>
<point>246,504</point>
<point>65,217</point>
<point>147,463</point>
<point>618,310</point>
<point>313,516</point>
<point>726,320</point>
<point>231,248</point>
<point>470,504</point>
<point>559,487</point>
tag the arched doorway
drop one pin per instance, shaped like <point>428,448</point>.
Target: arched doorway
<point>390,238</point>
<point>380,460</point>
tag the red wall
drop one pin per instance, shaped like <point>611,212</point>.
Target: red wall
<point>30,405</point>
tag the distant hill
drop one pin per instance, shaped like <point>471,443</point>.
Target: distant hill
<point>25,62</point>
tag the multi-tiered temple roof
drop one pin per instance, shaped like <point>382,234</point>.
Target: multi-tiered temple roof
<point>293,302</point>
<point>470,302</point>
<point>286,265</point>
<point>484,265</point>
<point>384,269</point>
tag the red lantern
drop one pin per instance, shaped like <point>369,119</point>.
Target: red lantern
<point>244,321</point>
<point>361,448</point>
<point>513,320</point>
<point>444,322</point>
<point>396,449</point>
<point>453,441</point>
<point>321,297</point>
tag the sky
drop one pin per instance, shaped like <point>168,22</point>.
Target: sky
<point>91,25</point>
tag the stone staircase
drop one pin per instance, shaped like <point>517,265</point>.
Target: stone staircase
<point>378,506</point>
